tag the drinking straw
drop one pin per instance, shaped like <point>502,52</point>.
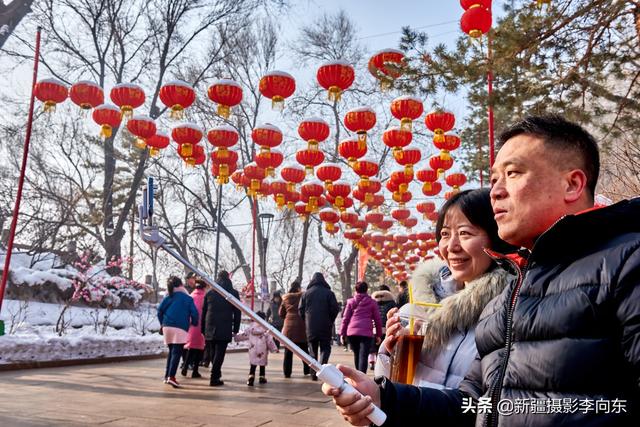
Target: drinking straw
<point>428,304</point>
<point>410,302</point>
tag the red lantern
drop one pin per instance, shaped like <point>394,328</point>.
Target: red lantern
<point>86,94</point>
<point>267,136</point>
<point>277,86</point>
<point>396,138</point>
<point>223,137</point>
<point>439,122</point>
<point>446,145</point>
<point>393,186</point>
<point>340,190</point>
<point>310,159</point>
<point>360,120</point>
<point>365,168</point>
<point>186,135</point>
<point>349,217</point>
<point>401,180</point>
<point>51,92</point>
<point>402,198</point>
<point>431,188</point>
<point>406,109</point>
<point>450,194</point>
<point>401,238</point>
<point>456,180</point>
<point>226,93</point>
<point>330,217</point>
<point>301,209</point>
<point>177,95</point>
<point>352,234</point>
<point>439,164</point>
<point>255,174</point>
<point>386,224</point>
<point>313,130</point>
<point>327,173</point>
<point>237,177</point>
<point>269,161</point>
<point>400,214</point>
<point>127,96</point>
<point>108,117</point>
<point>476,21</point>
<point>312,190</point>
<point>425,208</point>
<point>222,171</point>
<point>157,142</point>
<point>408,158</point>
<point>386,66</point>
<point>467,4</point>
<point>197,156</point>
<point>143,127</point>
<point>352,150</point>
<point>410,222</point>
<point>336,77</point>
<point>374,218</point>
<point>293,174</point>
<point>278,188</point>
<point>372,185</point>
<point>427,175</point>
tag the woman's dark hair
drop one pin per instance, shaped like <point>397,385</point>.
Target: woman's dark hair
<point>200,284</point>
<point>362,287</point>
<point>476,206</point>
<point>384,288</point>
<point>276,294</point>
<point>318,279</point>
<point>172,283</point>
<point>295,287</point>
<point>403,284</point>
<point>223,280</point>
<point>261,315</point>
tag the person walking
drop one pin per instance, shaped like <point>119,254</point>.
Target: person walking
<point>403,293</point>
<point>361,315</point>
<point>195,339</point>
<point>293,327</point>
<point>318,309</point>
<point>175,313</point>
<point>260,344</point>
<point>221,323</point>
<point>384,298</point>
<point>273,313</point>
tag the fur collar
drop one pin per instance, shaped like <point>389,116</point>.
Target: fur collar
<point>423,279</point>
<point>462,310</point>
<point>382,296</point>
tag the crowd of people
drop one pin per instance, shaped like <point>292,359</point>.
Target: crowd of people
<point>534,298</point>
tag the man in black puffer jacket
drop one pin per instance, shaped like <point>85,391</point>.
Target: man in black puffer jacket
<point>561,345</point>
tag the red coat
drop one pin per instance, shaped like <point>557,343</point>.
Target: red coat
<point>195,338</point>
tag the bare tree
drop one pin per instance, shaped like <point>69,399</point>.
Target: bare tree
<point>10,16</point>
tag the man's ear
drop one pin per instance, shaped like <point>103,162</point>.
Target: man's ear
<point>576,185</point>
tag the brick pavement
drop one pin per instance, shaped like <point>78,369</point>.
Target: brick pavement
<point>132,394</point>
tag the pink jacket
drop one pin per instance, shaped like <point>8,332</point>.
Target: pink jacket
<point>260,343</point>
<point>359,317</point>
<point>195,339</point>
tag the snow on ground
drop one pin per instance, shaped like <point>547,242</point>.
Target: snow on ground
<point>31,336</point>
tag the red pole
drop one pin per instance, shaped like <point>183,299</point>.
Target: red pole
<point>25,156</point>
<point>489,93</point>
<point>253,256</point>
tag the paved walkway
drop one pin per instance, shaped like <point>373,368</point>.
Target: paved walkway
<point>132,394</point>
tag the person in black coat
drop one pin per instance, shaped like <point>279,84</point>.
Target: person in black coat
<point>319,308</point>
<point>564,337</point>
<point>221,323</point>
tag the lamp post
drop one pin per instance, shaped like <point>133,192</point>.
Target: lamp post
<point>266,219</point>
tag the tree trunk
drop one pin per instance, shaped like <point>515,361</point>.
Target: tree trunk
<point>10,17</point>
<point>303,249</point>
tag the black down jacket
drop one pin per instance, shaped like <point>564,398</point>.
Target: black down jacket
<point>318,308</point>
<point>220,318</point>
<point>567,331</point>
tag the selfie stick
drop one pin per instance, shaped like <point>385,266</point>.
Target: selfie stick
<point>327,373</point>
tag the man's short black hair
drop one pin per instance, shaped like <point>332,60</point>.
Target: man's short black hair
<point>561,134</point>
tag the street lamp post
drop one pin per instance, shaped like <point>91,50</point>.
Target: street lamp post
<point>266,219</point>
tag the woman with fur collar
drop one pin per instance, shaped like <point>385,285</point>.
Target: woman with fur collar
<point>463,284</point>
